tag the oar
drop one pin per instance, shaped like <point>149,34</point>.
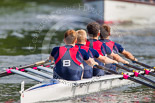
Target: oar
<point>125,76</point>
<point>136,74</point>
<point>144,65</point>
<point>148,72</point>
<point>8,72</point>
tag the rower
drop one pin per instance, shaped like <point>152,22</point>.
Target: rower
<point>68,59</point>
<point>93,29</point>
<point>81,43</point>
<point>115,47</point>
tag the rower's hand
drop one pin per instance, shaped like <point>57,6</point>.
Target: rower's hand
<point>95,63</point>
<point>115,62</point>
<point>47,60</point>
<point>135,59</point>
<point>126,62</point>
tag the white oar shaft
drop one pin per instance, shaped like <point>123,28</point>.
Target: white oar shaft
<point>27,75</point>
<point>45,69</point>
<point>39,73</point>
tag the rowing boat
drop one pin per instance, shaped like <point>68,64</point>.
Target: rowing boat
<point>50,89</point>
<point>62,89</point>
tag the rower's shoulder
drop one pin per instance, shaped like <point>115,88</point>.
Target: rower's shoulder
<point>118,44</point>
<point>56,48</point>
<point>82,50</point>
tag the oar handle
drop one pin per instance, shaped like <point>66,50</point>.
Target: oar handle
<point>124,68</point>
<point>144,65</point>
<point>132,66</point>
<point>40,63</point>
<point>106,69</point>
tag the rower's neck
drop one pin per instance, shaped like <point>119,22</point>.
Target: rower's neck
<point>84,43</point>
<point>106,38</point>
<point>71,44</point>
<point>94,38</point>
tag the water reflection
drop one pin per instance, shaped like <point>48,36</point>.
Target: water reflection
<point>9,93</point>
<point>26,44</point>
<point>133,94</point>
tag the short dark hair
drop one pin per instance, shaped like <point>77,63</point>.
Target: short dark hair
<point>70,36</point>
<point>93,29</point>
<point>104,31</point>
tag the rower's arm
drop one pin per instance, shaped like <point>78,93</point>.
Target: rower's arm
<point>118,58</point>
<point>87,58</point>
<point>106,60</point>
<point>91,62</point>
<point>129,55</point>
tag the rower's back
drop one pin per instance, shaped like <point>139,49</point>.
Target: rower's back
<point>88,70</point>
<point>112,47</point>
<point>93,32</point>
<point>68,61</point>
<point>104,38</point>
<point>98,46</point>
<point>81,41</point>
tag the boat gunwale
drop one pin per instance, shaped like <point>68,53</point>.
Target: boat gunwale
<point>84,81</point>
<point>77,83</point>
<point>81,82</point>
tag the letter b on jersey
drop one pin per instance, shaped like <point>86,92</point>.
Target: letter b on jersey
<point>66,63</point>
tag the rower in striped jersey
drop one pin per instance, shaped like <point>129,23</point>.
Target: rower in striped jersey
<point>81,41</point>
<point>93,29</point>
<point>68,59</point>
<point>115,47</point>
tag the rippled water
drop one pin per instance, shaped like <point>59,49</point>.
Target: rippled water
<point>29,30</point>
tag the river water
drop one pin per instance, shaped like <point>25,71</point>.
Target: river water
<point>29,30</point>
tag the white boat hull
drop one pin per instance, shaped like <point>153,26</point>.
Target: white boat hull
<point>67,89</point>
